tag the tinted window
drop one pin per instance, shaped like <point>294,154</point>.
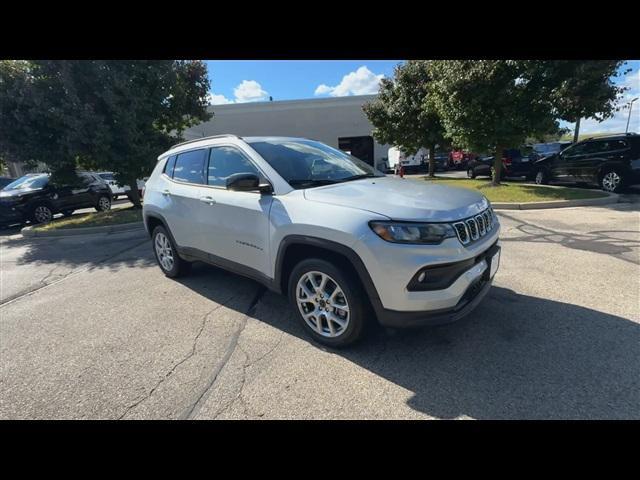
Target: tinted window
<point>168,167</point>
<point>189,167</point>
<point>612,145</point>
<point>107,176</point>
<point>577,149</point>
<point>226,161</point>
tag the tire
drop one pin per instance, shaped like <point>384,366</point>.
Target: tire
<point>104,204</point>
<point>612,180</point>
<point>166,254</point>
<point>541,177</point>
<point>471,173</point>
<point>41,213</point>
<point>335,334</point>
<point>67,213</point>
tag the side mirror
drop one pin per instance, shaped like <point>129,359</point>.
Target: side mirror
<point>247,182</point>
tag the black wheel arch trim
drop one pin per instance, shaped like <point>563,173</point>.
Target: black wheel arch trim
<point>332,246</point>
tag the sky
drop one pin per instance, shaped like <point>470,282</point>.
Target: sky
<point>240,81</point>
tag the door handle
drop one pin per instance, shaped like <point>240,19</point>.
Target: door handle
<point>166,192</point>
<point>208,200</point>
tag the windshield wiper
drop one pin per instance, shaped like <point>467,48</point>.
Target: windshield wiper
<point>357,177</point>
<point>300,182</point>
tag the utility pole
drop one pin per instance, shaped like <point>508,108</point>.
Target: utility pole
<point>629,118</point>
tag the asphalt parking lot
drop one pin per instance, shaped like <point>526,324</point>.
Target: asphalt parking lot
<point>90,328</point>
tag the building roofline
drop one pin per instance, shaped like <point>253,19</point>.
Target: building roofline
<point>292,103</point>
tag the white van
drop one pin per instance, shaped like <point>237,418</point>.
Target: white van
<point>411,163</point>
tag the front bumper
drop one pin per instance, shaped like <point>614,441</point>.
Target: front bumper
<point>11,214</point>
<point>469,301</point>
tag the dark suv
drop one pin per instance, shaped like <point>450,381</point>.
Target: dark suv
<point>612,162</point>
<point>36,198</point>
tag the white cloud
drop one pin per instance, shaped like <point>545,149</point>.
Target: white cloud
<point>249,91</point>
<point>361,82</point>
<point>215,99</point>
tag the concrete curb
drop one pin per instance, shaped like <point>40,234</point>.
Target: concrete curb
<point>67,232</point>
<point>584,202</point>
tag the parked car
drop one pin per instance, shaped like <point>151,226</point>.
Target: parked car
<point>612,162</point>
<point>516,162</point>
<point>459,159</point>
<point>119,190</point>
<point>4,181</point>
<point>338,237</point>
<point>34,197</point>
<point>541,150</point>
<point>442,161</point>
<point>411,163</point>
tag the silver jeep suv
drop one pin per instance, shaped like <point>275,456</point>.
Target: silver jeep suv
<point>345,243</point>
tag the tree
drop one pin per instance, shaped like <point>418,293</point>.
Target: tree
<point>402,115</point>
<point>111,115</point>
<point>490,105</point>
<point>583,89</point>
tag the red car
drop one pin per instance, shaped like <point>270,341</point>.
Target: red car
<point>459,159</point>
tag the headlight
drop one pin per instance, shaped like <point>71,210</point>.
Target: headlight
<point>406,232</point>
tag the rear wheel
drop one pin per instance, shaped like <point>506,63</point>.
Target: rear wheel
<point>329,302</point>
<point>41,214</point>
<point>612,181</point>
<point>166,254</point>
<point>471,173</point>
<point>104,204</point>
<point>542,177</point>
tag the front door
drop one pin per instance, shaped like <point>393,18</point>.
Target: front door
<point>237,223</point>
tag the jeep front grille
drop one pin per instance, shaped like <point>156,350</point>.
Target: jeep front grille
<point>471,229</point>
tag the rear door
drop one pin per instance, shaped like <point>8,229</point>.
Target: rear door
<point>610,152</point>
<point>181,197</point>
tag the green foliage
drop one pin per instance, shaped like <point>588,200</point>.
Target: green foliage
<point>401,114</point>
<point>99,114</point>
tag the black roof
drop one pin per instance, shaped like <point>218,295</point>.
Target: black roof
<point>613,136</point>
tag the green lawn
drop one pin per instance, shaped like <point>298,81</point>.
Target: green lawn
<point>517,192</point>
<point>97,219</point>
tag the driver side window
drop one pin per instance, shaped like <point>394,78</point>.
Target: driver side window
<point>225,161</point>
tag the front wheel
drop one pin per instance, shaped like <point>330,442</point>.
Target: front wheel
<point>612,181</point>
<point>329,301</point>
<point>41,214</point>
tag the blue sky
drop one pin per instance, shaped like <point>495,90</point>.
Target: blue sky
<point>247,81</point>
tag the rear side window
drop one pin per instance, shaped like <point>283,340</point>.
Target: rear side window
<point>226,161</point>
<point>168,167</point>
<point>189,167</point>
<point>613,145</point>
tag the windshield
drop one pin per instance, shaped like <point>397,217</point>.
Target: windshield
<point>306,163</point>
<point>28,182</point>
<point>106,176</point>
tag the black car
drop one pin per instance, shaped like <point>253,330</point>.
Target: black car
<point>612,162</point>
<point>516,162</point>
<point>36,198</point>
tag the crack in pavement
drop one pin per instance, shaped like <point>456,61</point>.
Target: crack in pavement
<point>187,357</point>
<point>195,407</point>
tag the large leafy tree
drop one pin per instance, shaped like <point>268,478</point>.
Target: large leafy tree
<point>401,113</point>
<point>582,89</point>
<point>113,115</point>
<point>490,105</point>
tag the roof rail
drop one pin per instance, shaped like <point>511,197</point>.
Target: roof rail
<point>205,138</point>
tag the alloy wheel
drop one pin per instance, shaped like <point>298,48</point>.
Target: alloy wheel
<point>322,304</point>
<point>539,177</point>
<point>43,214</point>
<point>104,204</point>
<point>611,181</point>
<point>164,251</point>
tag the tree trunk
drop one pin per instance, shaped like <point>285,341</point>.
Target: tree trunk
<point>133,194</point>
<point>576,132</point>
<point>497,166</point>
<point>432,161</point>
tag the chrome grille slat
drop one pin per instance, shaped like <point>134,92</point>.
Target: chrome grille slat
<point>474,228</point>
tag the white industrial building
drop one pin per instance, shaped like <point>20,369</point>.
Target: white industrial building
<point>339,122</point>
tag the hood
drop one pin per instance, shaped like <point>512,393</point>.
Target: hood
<point>18,192</point>
<point>402,199</point>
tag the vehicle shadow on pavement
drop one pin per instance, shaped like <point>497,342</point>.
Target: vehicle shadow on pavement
<point>514,357</point>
